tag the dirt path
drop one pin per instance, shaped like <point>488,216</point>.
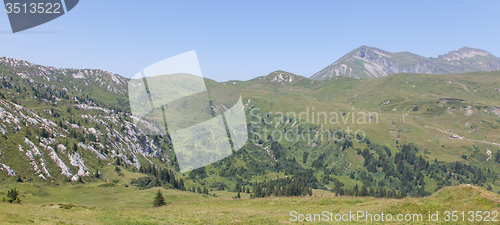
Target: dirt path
<point>461,138</point>
<point>491,143</point>
<point>446,132</point>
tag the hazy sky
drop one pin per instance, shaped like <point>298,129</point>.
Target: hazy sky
<point>244,39</point>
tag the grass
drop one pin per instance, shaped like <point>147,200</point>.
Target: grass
<point>271,210</point>
<point>402,91</point>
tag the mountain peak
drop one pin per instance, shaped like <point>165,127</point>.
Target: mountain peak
<point>369,62</point>
<point>281,77</point>
<point>463,53</point>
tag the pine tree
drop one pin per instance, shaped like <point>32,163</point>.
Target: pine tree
<point>159,200</point>
<point>181,185</point>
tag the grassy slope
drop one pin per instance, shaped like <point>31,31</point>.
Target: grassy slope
<point>392,97</point>
<point>337,95</point>
<point>267,210</point>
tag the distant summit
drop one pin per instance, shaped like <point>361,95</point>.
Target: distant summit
<point>280,77</point>
<point>368,62</point>
<point>464,53</point>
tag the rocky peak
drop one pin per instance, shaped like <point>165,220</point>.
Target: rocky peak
<point>281,77</point>
<point>370,53</point>
<point>463,53</point>
<point>369,62</point>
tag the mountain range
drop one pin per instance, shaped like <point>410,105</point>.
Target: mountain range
<point>421,132</point>
<point>369,62</point>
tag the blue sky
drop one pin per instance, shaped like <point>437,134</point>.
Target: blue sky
<point>239,40</point>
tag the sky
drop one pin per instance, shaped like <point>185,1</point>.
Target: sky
<point>240,40</point>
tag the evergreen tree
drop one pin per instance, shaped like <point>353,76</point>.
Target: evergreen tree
<point>159,200</point>
<point>181,185</point>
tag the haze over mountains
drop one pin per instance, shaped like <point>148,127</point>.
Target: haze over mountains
<point>369,62</point>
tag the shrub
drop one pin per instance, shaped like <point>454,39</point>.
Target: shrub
<point>12,196</point>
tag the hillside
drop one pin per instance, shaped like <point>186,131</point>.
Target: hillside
<point>59,124</point>
<point>401,135</point>
<point>369,62</point>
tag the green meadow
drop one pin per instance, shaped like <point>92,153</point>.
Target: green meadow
<point>89,204</point>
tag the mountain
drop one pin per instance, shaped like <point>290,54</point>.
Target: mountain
<point>77,79</point>
<point>399,135</point>
<point>59,124</point>
<point>369,62</point>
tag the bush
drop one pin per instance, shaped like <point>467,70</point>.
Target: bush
<point>143,182</point>
<point>66,206</point>
<point>106,185</point>
<point>12,196</point>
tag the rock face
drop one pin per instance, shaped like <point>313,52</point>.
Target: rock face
<point>61,123</point>
<point>369,62</point>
